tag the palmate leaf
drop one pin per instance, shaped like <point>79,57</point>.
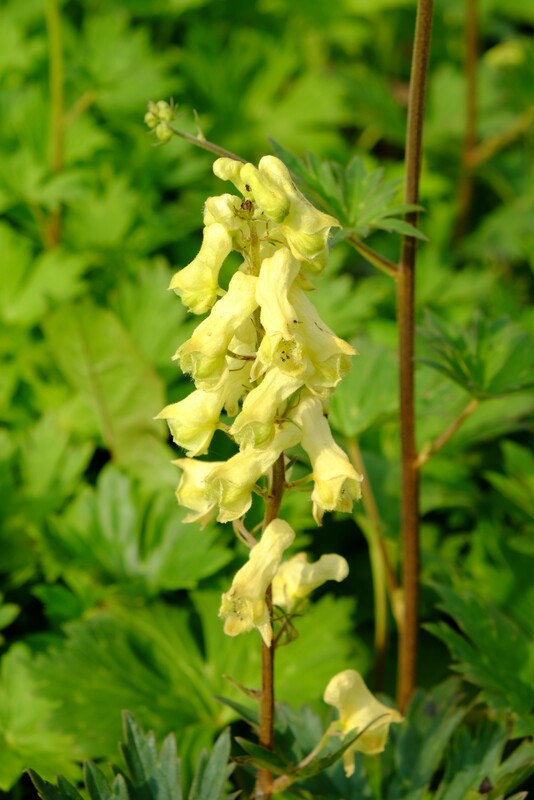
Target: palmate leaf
<point>494,653</point>
<point>117,388</point>
<point>474,764</point>
<point>121,537</point>
<point>26,735</point>
<point>362,201</point>
<point>490,359</point>
<point>151,773</point>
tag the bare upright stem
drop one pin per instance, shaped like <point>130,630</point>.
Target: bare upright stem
<point>406,321</point>
<point>57,108</point>
<point>264,782</point>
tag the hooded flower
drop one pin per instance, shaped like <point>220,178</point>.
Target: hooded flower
<point>337,483</point>
<point>204,354</point>
<point>197,284</point>
<point>255,425</point>
<point>297,578</point>
<point>193,420</point>
<point>359,710</point>
<point>191,492</point>
<point>243,607</point>
<point>304,228</point>
<point>230,483</point>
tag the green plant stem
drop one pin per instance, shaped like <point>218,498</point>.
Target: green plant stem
<point>206,145</point>
<point>406,324</point>
<point>431,448</point>
<point>264,783</point>
<point>382,572</point>
<point>488,148</point>
<point>57,109</point>
<point>465,185</point>
<point>374,257</point>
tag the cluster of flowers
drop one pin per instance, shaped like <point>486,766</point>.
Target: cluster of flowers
<point>263,344</point>
<point>265,358</point>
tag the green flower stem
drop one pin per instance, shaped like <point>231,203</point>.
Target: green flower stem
<point>57,109</point>
<point>431,448</point>
<point>465,184</point>
<point>205,144</point>
<point>374,257</point>
<point>406,322</point>
<point>264,783</point>
<point>384,579</point>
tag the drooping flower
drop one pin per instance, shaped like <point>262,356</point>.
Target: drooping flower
<point>244,607</point>
<point>204,354</point>
<point>197,284</point>
<point>193,420</point>
<point>255,424</point>
<point>230,483</point>
<point>297,578</point>
<point>336,482</point>
<point>191,492</point>
<point>359,710</point>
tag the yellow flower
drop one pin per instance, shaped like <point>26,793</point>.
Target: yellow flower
<point>204,354</point>
<point>193,420</point>
<point>337,483</point>
<point>304,228</point>
<point>197,284</point>
<point>191,492</point>
<point>296,578</point>
<point>230,483</point>
<point>255,425</point>
<point>243,607</point>
<point>359,710</point>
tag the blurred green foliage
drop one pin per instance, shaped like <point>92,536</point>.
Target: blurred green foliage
<point>108,601</point>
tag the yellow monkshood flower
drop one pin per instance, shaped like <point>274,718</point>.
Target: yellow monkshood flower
<point>230,483</point>
<point>297,578</point>
<point>243,607</point>
<point>191,492</point>
<point>359,710</point>
<point>304,228</point>
<point>336,482</point>
<point>255,425</point>
<point>204,354</point>
<point>193,420</point>
<point>277,276</point>
<point>198,283</point>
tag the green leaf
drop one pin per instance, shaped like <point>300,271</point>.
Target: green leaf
<point>490,359</point>
<point>362,201</point>
<point>493,652</point>
<point>420,740</point>
<point>516,481</point>
<point>117,388</point>
<point>27,739</point>
<point>47,791</point>
<point>366,396</point>
<point>119,536</point>
<point>152,774</point>
<point>213,772</point>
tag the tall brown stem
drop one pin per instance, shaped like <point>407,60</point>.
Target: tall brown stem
<point>264,782</point>
<point>406,321</point>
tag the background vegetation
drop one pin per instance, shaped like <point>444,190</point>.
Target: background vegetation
<point>108,601</point>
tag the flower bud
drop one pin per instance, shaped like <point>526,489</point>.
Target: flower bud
<point>163,132</point>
